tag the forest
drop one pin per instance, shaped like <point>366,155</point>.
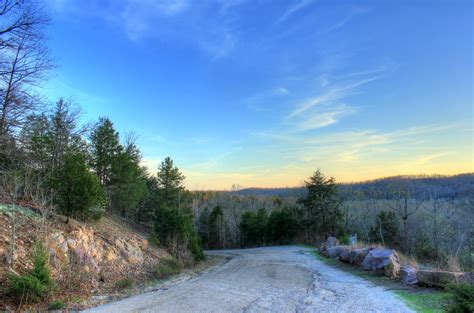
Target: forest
<point>429,218</point>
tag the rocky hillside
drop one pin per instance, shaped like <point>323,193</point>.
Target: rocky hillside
<point>86,258</point>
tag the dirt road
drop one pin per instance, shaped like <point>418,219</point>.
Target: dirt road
<point>271,279</point>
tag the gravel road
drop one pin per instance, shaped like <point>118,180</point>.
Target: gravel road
<point>270,279</point>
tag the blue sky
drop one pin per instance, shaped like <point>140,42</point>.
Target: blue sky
<point>261,93</point>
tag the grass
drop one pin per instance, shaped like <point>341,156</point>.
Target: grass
<point>168,267</point>
<point>9,209</point>
<point>124,283</point>
<point>304,245</point>
<point>429,302</point>
<point>57,305</point>
<point>419,299</point>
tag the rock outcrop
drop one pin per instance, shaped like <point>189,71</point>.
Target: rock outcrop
<point>83,256</point>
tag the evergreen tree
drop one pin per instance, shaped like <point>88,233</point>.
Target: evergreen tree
<point>322,214</point>
<point>127,183</point>
<point>174,220</point>
<point>248,228</point>
<point>253,227</point>
<point>261,221</point>
<point>217,228</point>
<point>282,227</point>
<point>105,148</point>
<point>204,228</point>
<point>170,184</point>
<point>146,209</point>
<point>385,230</point>
<point>77,189</point>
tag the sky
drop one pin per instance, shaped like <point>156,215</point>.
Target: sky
<point>262,93</point>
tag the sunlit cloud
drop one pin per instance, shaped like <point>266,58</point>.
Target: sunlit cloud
<point>322,118</point>
<point>331,95</point>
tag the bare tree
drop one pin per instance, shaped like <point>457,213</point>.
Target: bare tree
<point>405,205</point>
<point>24,61</point>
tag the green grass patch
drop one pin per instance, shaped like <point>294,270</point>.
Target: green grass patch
<point>303,245</point>
<point>167,267</point>
<point>57,305</point>
<point>429,302</point>
<point>124,283</point>
<point>9,209</point>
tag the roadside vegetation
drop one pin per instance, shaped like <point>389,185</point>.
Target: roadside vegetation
<point>167,267</point>
<point>419,299</point>
<point>454,298</point>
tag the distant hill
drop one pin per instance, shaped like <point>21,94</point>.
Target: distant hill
<point>419,186</point>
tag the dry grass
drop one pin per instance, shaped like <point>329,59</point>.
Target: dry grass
<point>453,265</point>
<point>407,260</point>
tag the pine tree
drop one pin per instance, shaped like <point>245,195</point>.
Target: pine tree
<point>217,228</point>
<point>385,230</point>
<point>127,183</point>
<point>77,189</point>
<point>170,184</point>
<point>261,225</point>
<point>105,148</point>
<point>321,206</point>
<point>174,220</point>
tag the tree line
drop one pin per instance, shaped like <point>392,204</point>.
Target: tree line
<point>435,228</point>
<point>237,222</point>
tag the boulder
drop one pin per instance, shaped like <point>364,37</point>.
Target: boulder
<point>337,251</point>
<point>408,275</point>
<point>383,262</point>
<point>367,262</point>
<point>345,255</point>
<point>439,278</point>
<point>356,257</point>
<point>330,242</point>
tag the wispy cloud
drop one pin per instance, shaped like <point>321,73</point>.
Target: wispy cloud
<point>264,100</point>
<point>195,23</point>
<point>326,117</point>
<point>331,95</point>
<point>363,147</point>
<point>355,11</point>
<point>294,8</point>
